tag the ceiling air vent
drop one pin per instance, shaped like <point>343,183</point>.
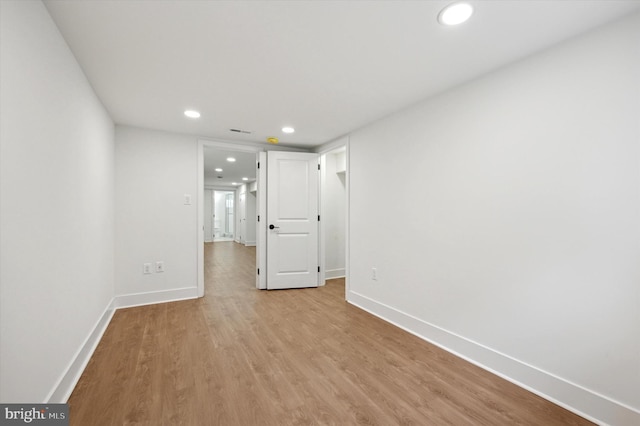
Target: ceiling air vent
<point>248,132</point>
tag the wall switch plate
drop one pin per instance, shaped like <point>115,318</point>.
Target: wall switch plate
<point>374,274</point>
<point>146,268</point>
<point>159,266</point>
<point>187,199</point>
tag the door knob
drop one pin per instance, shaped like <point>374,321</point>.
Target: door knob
<point>273,227</point>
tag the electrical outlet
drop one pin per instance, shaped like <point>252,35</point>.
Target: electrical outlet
<point>160,266</point>
<point>146,268</point>
<point>374,274</point>
<point>187,199</point>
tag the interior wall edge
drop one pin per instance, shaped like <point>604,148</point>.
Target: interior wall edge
<point>63,389</point>
<point>577,399</point>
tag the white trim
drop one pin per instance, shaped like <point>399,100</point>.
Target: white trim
<point>330,274</point>
<point>250,244</point>
<point>232,146</point>
<point>221,188</point>
<point>322,209</point>
<point>347,225</point>
<point>243,146</point>
<point>588,404</point>
<point>154,297</point>
<point>200,223</point>
<point>62,391</point>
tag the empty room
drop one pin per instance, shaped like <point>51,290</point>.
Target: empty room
<point>196,205</point>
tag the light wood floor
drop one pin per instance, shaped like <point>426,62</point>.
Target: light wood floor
<point>241,356</point>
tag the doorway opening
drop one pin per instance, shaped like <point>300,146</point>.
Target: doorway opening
<point>219,219</point>
<point>333,184</point>
<point>337,155</point>
<point>225,171</point>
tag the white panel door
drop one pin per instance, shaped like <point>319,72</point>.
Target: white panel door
<point>292,220</point>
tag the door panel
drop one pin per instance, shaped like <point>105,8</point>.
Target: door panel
<point>297,261</point>
<point>293,199</point>
<point>292,210</point>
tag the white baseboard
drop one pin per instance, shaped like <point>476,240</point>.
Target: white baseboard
<point>150,298</point>
<point>334,273</point>
<point>250,243</point>
<point>62,391</point>
<point>588,404</point>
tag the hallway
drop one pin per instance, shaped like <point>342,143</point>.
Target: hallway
<point>240,356</point>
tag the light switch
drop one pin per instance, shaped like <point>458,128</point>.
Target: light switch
<point>187,199</point>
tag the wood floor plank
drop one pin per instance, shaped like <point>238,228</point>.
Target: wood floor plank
<point>240,356</point>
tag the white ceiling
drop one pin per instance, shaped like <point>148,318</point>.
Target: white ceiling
<point>323,67</point>
<point>244,166</point>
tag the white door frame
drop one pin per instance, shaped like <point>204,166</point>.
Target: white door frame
<point>261,229</point>
<point>323,150</point>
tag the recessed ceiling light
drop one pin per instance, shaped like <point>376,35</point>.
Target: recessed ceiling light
<point>455,13</point>
<point>245,178</point>
<point>235,183</point>
<point>192,114</point>
<point>288,129</point>
<point>231,159</point>
<point>218,169</point>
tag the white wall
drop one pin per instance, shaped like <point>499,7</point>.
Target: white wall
<point>56,208</point>
<point>334,214</point>
<point>154,171</point>
<point>521,221</point>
